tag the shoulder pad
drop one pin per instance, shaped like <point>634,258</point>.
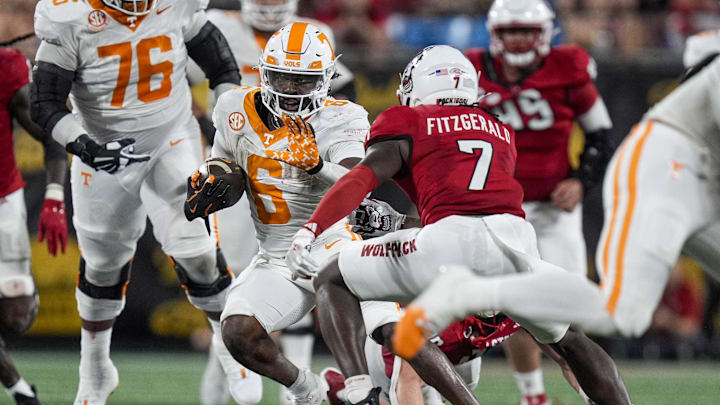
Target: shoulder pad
<point>574,61</point>
<point>54,23</point>
<point>234,98</point>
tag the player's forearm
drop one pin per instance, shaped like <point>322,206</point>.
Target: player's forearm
<point>342,198</point>
<point>55,163</point>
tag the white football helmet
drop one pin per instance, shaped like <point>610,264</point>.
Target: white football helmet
<point>520,14</point>
<point>440,74</point>
<point>268,15</point>
<point>131,7</point>
<point>295,70</point>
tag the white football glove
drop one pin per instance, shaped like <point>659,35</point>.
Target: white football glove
<point>375,218</point>
<point>298,258</point>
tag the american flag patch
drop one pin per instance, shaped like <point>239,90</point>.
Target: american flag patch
<point>441,72</point>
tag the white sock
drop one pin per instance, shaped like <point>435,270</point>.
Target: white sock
<point>530,383</point>
<point>358,387</point>
<point>21,387</point>
<point>94,348</point>
<point>302,385</point>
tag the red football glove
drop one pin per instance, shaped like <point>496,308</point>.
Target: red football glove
<point>53,225</point>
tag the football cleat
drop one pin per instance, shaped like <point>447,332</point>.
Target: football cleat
<point>214,388</point>
<point>21,399</point>
<point>409,336</point>
<point>317,395</point>
<point>373,398</point>
<point>336,383</point>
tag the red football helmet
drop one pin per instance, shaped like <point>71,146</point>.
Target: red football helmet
<point>520,30</point>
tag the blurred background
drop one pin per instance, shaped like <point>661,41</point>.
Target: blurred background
<point>637,45</point>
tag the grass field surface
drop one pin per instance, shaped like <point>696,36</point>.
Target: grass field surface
<point>174,378</point>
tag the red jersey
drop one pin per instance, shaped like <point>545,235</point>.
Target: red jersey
<point>541,108</point>
<point>462,160</point>
<point>14,74</point>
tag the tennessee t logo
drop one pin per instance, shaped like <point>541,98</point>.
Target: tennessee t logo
<point>86,176</point>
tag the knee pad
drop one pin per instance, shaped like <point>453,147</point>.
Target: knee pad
<point>210,296</point>
<point>18,314</point>
<point>101,303</point>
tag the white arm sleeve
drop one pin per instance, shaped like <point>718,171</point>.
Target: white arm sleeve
<point>596,117</point>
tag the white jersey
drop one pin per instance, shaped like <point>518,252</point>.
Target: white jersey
<point>247,45</point>
<point>694,109</point>
<point>282,197</point>
<point>129,71</point>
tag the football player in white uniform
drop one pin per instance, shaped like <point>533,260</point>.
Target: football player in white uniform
<point>123,64</point>
<point>247,33</point>
<point>660,196</point>
<point>290,163</point>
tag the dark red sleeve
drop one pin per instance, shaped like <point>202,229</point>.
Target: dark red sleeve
<point>391,123</point>
<point>342,198</point>
<point>583,97</point>
<point>14,73</point>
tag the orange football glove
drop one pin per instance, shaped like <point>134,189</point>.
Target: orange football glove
<point>302,151</point>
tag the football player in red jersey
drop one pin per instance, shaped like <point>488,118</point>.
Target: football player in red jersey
<point>456,162</point>
<point>18,295</point>
<point>540,91</point>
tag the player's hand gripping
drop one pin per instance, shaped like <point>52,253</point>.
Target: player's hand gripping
<point>302,151</point>
<point>298,258</point>
<point>110,157</point>
<point>375,218</point>
<point>53,225</point>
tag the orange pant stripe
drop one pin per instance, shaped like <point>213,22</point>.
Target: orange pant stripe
<point>632,188</point>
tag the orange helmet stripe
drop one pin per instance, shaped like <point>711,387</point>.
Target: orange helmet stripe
<point>295,41</point>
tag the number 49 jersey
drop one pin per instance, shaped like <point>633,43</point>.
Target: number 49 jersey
<point>541,108</point>
<point>462,160</point>
<point>129,71</point>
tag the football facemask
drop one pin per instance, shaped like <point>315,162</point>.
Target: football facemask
<point>520,30</point>
<point>268,15</point>
<point>131,7</point>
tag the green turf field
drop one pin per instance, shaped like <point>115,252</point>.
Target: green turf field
<point>173,378</point>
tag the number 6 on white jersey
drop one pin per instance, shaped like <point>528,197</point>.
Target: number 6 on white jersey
<point>482,168</point>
